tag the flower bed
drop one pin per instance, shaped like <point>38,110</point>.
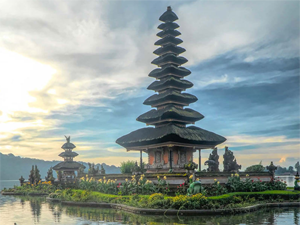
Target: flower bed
<point>135,185</point>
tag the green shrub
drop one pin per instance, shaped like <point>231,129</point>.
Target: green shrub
<point>215,189</point>
<point>156,196</point>
<point>255,168</point>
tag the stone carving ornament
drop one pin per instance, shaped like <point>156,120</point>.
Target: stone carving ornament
<point>230,164</point>
<point>213,161</point>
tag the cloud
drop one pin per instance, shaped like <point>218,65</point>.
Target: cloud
<point>282,160</point>
<point>245,67</point>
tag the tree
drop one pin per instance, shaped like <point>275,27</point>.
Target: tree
<point>291,169</point>
<point>31,175</point>
<point>297,167</point>
<point>37,175</point>
<point>127,167</point>
<point>255,168</point>
<point>49,176</point>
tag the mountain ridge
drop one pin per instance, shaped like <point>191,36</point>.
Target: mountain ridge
<point>13,167</point>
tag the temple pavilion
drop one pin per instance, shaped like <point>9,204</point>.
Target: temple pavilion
<point>68,167</point>
<point>170,143</point>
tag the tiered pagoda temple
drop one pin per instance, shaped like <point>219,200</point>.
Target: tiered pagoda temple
<point>170,143</point>
<point>68,167</point>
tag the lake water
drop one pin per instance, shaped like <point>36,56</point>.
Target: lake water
<point>25,210</point>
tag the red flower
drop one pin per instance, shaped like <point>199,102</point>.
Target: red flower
<point>252,180</point>
<point>119,183</point>
<point>177,186</point>
<point>180,185</point>
<point>259,180</point>
<point>166,188</point>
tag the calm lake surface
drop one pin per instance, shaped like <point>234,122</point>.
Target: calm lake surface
<point>25,210</point>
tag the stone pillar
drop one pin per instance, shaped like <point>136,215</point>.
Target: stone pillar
<point>170,158</point>
<point>199,160</point>
<point>141,158</point>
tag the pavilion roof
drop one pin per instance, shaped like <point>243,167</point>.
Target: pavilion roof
<point>171,96</point>
<point>168,40</point>
<point>176,50</point>
<point>168,16</point>
<point>165,33</point>
<point>168,26</point>
<point>68,154</point>
<point>68,145</point>
<point>169,70</point>
<point>170,82</point>
<point>170,112</point>
<point>169,59</point>
<point>188,135</point>
<point>68,165</point>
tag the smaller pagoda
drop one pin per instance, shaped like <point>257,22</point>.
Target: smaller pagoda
<point>67,168</point>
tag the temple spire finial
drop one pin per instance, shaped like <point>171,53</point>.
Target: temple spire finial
<point>68,138</point>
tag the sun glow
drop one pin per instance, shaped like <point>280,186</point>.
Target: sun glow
<point>18,76</point>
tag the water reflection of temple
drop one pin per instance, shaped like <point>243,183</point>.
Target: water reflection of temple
<point>36,207</point>
<point>55,213</point>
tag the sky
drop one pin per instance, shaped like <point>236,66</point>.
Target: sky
<point>80,68</point>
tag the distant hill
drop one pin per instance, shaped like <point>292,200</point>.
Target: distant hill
<point>12,167</point>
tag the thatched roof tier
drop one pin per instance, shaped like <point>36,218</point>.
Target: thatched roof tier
<point>168,40</point>
<point>68,154</point>
<point>68,165</point>
<point>165,33</point>
<point>169,70</point>
<point>169,59</point>
<point>171,133</point>
<point>170,96</point>
<point>168,16</point>
<point>168,26</point>
<point>170,82</point>
<point>176,50</point>
<point>170,113</point>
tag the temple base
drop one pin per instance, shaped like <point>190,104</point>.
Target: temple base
<point>165,158</point>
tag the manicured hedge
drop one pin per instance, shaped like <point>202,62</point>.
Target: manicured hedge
<point>235,200</point>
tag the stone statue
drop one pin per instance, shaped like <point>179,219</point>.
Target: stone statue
<point>191,166</point>
<point>81,170</point>
<point>21,181</point>
<point>272,170</point>
<point>194,188</point>
<point>102,171</point>
<point>230,164</point>
<point>136,169</point>
<point>213,161</point>
<point>296,187</point>
<point>31,175</point>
